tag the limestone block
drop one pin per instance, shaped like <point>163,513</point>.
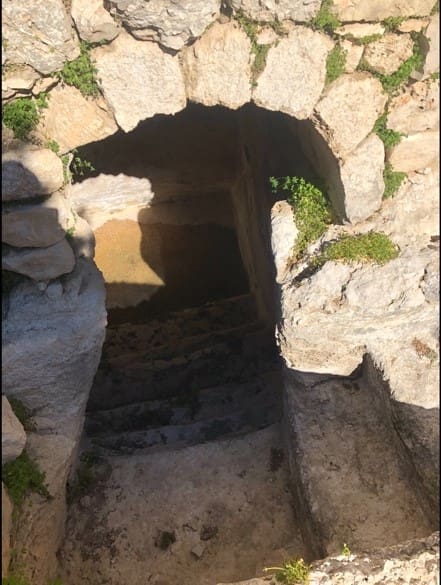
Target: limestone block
<point>36,225</point>
<point>387,54</point>
<point>431,64</point>
<point>72,120</point>
<point>93,22</point>
<point>358,30</point>
<point>416,109</point>
<point>362,179</point>
<point>271,10</point>
<point>218,67</point>
<point>97,198</point>
<point>353,55</point>
<point>13,434</point>
<point>154,77</point>
<point>415,152</point>
<point>283,236</point>
<point>348,111</point>
<point>376,10</point>
<point>6,531</point>
<point>172,25</point>
<point>413,25</point>
<point>294,74</point>
<point>20,79</point>
<point>28,171</point>
<point>40,263</point>
<point>38,33</point>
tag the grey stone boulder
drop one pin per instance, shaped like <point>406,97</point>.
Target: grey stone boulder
<point>40,263</point>
<point>13,434</point>
<point>154,77</point>
<point>28,171</point>
<point>38,225</point>
<point>294,75</point>
<point>38,33</point>
<point>270,10</point>
<point>93,22</point>
<point>171,24</point>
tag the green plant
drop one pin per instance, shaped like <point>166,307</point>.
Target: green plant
<point>346,551</point>
<point>325,20</point>
<point>371,247</point>
<point>335,63</point>
<point>21,116</point>
<point>260,52</point>
<point>366,39</point>
<point>65,159</point>
<point>21,477</point>
<point>52,145</point>
<point>23,413</point>
<point>389,137</point>
<point>311,209</point>
<point>15,579</point>
<point>292,572</point>
<point>392,180</point>
<point>42,100</point>
<point>391,23</point>
<point>81,73</point>
<point>80,167</point>
<point>434,76</point>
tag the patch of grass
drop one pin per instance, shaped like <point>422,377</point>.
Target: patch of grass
<point>366,40</point>
<point>21,116</point>
<point>81,73</point>
<point>392,180</point>
<point>434,76</point>
<point>325,20</point>
<point>15,579</point>
<point>423,350</point>
<point>391,23</point>
<point>21,477</point>
<point>371,247</point>
<point>80,166</point>
<point>389,137</point>
<point>311,209</point>
<point>335,63</point>
<point>292,572</point>
<point>23,414</point>
<point>260,52</point>
<point>52,145</point>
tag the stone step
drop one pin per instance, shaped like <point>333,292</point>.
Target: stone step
<point>350,467</point>
<point>178,325</point>
<point>261,413</point>
<point>235,360</point>
<point>196,406</point>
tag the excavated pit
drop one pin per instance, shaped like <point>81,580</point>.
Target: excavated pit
<point>185,425</point>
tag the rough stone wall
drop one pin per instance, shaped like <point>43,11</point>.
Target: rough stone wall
<point>152,61</point>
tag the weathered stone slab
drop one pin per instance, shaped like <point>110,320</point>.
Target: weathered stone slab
<point>358,30</point>
<point>40,263</point>
<point>154,77</point>
<point>387,54</point>
<point>38,33</point>
<point>38,225</point>
<point>271,10</point>
<point>415,152</point>
<point>217,67</point>
<point>13,434</point>
<point>376,10</point>
<point>353,53</point>
<point>20,79</point>
<point>93,22</point>
<point>362,179</point>
<point>348,111</point>
<point>294,74</point>
<point>72,120</point>
<point>416,109</point>
<point>283,236</point>
<point>28,171</point>
<point>413,25</point>
<point>6,531</point>
<point>431,64</point>
<point>172,25</point>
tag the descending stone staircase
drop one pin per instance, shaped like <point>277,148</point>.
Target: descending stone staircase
<point>197,375</point>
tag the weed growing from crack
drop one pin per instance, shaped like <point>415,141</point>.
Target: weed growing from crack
<point>335,63</point>
<point>392,180</point>
<point>325,20</point>
<point>23,476</point>
<point>389,137</point>
<point>373,247</point>
<point>291,573</point>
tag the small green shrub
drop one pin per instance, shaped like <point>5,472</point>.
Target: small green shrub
<point>52,145</point>
<point>392,180</point>
<point>391,23</point>
<point>21,477</point>
<point>21,116</point>
<point>311,209</point>
<point>80,166</point>
<point>81,73</point>
<point>346,551</point>
<point>335,63</point>
<point>23,413</point>
<point>389,137</point>
<point>325,20</point>
<point>292,572</point>
<point>371,247</point>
